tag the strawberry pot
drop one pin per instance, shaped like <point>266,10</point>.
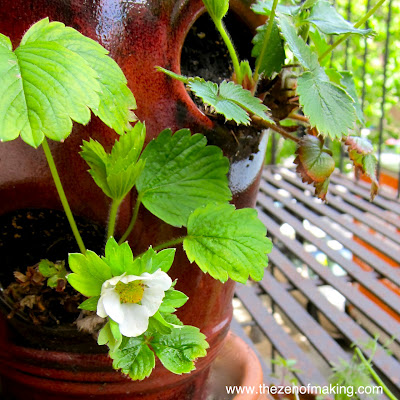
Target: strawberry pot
<point>139,37</point>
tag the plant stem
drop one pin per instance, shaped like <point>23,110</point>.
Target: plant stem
<point>299,117</point>
<point>265,124</point>
<point>266,40</point>
<point>133,220</point>
<point>62,196</point>
<point>232,52</point>
<point>356,25</point>
<point>376,377</point>
<point>170,243</point>
<point>113,217</point>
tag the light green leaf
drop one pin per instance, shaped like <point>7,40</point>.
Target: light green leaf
<point>47,83</point>
<point>116,173</point>
<point>321,45</point>
<point>324,17</point>
<point>348,82</point>
<point>274,56</point>
<point>245,70</point>
<point>306,57</point>
<point>227,243</point>
<point>230,100</point>
<point>118,257</point>
<point>5,42</point>
<point>328,106</point>
<point>172,300</point>
<point>178,350</point>
<point>151,261</point>
<point>110,335</point>
<point>89,273</point>
<point>334,76</point>
<point>217,8</point>
<point>308,4</point>
<point>134,358</point>
<point>181,174</point>
<point>116,100</point>
<point>90,304</point>
<point>264,7</point>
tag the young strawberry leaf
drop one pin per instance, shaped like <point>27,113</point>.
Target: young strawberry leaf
<point>217,8</point>
<point>49,81</point>
<point>55,273</point>
<point>110,336</point>
<point>327,105</point>
<point>264,7</point>
<point>116,173</point>
<point>314,164</point>
<point>361,154</point>
<point>227,243</point>
<point>151,261</point>
<point>90,304</point>
<point>134,358</point>
<point>173,299</point>
<point>230,100</point>
<point>118,257</point>
<point>178,350</point>
<point>182,173</point>
<point>89,273</point>
<point>324,17</point>
<point>274,58</point>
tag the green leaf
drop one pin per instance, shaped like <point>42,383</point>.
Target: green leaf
<point>89,273</point>
<point>134,358</point>
<point>347,82</point>
<point>151,261</point>
<point>54,272</point>
<point>110,335</point>
<point>116,100</point>
<point>217,8</point>
<point>90,304</point>
<point>306,57</point>
<point>328,106</point>
<point>227,243</point>
<point>314,164</point>
<point>308,4</point>
<point>245,70</point>
<point>230,100</point>
<point>172,300</point>
<point>274,57</point>
<point>264,7</point>
<point>324,17</point>
<point>116,173</point>
<point>178,350</point>
<point>181,174</point>
<point>118,257</point>
<point>47,83</point>
<point>321,45</point>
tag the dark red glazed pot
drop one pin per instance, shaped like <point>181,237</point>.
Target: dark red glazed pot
<point>140,35</point>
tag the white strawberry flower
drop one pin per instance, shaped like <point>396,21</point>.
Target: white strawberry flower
<point>131,300</point>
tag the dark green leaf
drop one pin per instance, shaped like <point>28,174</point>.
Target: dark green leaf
<point>329,108</point>
<point>134,358</point>
<point>181,174</point>
<point>178,350</point>
<point>227,243</point>
<point>274,56</point>
<point>324,16</point>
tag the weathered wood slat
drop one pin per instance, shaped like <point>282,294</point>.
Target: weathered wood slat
<point>321,209</point>
<point>283,343</point>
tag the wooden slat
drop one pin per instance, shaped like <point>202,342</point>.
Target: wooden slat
<point>283,343</point>
<point>386,364</point>
<point>320,208</point>
<point>361,302</point>
<point>377,264</point>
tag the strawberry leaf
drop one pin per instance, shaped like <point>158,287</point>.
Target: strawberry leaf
<point>314,164</point>
<point>264,7</point>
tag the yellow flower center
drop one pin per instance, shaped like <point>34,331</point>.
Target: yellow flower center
<point>131,292</point>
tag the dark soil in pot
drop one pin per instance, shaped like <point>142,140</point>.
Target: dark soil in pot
<point>27,237</point>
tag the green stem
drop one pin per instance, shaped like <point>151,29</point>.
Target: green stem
<point>61,194</point>
<point>133,220</point>
<point>356,25</point>
<point>113,217</point>
<point>266,40</point>
<point>170,243</point>
<point>232,52</point>
<point>376,377</point>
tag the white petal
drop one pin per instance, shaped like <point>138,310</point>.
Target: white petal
<point>101,311</point>
<point>136,320</point>
<point>112,306</point>
<point>112,282</point>
<point>159,279</point>
<point>152,299</point>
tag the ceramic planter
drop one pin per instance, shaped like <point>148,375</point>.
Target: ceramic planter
<point>139,35</point>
